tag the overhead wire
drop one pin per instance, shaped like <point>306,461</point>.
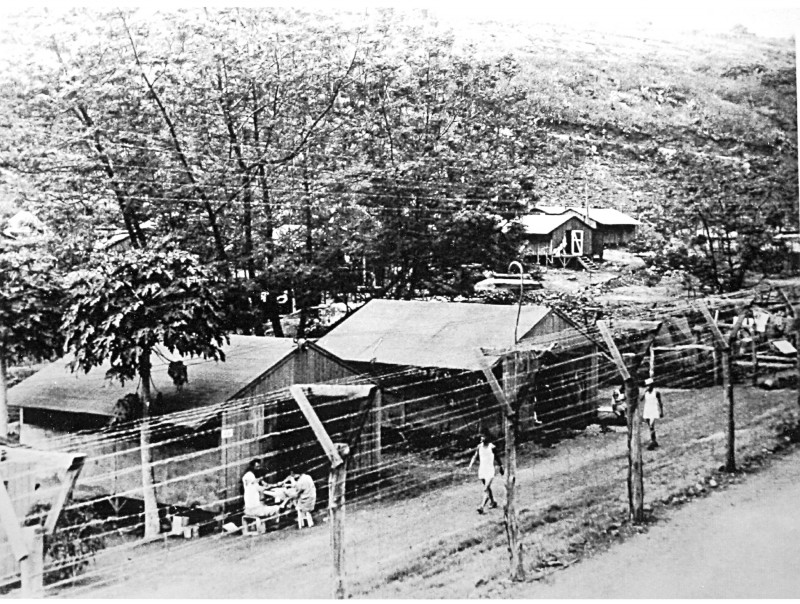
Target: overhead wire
<point>429,408</point>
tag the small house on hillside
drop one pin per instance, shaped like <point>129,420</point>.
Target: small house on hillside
<point>563,237</point>
<point>187,421</point>
<point>424,356</point>
<point>613,227</point>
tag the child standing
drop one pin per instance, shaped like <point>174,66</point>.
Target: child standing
<point>653,410</point>
<point>486,456</point>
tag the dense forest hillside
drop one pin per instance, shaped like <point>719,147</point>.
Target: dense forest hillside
<point>292,150</point>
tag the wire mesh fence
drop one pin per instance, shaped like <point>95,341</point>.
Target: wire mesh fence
<point>410,499</point>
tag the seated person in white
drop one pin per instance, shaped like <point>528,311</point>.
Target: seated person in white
<point>253,506</point>
<point>306,496</point>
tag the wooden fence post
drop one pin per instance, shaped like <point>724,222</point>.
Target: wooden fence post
<point>794,313</point>
<point>796,321</point>
<point>633,416</point>
<point>724,345</point>
<point>32,566</point>
<point>634,420</point>
<point>511,378</point>
<point>336,509</point>
<point>11,524</point>
<point>337,454</point>
<point>509,401</point>
<point>715,360</point>
<point>727,384</point>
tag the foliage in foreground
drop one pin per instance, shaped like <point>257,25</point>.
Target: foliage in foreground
<point>72,547</point>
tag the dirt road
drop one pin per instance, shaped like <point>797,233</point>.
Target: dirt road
<point>741,543</point>
<point>434,545</point>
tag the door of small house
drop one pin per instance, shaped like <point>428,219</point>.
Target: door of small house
<point>577,242</point>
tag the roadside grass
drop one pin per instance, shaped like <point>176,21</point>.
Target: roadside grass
<point>573,497</point>
<point>429,543</point>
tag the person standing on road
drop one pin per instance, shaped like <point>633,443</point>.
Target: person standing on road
<point>653,410</point>
<point>487,458</point>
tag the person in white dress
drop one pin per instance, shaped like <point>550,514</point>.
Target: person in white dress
<point>253,506</point>
<point>652,411</point>
<point>305,499</point>
<point>487,458</point>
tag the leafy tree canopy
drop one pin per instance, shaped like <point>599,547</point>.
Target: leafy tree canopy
<point>30,306</point>
<point>124,305</point>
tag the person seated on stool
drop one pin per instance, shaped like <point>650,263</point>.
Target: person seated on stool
<point>306,496</point>
<point>252,494</point>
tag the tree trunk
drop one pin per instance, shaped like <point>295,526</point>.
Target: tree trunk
<point>152,524</point>
<point>176,143</point>
<point>3,396</point>
<point>635,464</point>
<point>269,227</point>
<point>125,205</point>
<point>274,316</point>
<point>304,287</point>
<point>247,193</point>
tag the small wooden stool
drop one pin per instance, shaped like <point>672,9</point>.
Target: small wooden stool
<point>253,525</point>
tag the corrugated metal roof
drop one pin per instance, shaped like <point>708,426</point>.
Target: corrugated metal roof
<point>427,334</point>
<point>543,224</point>
<point>604,216</point>
<point>551,209</point>
<point>609,217</point>
<point>54,387</point>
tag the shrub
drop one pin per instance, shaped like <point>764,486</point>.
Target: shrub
<point>70,549</point>
<point>499,296</point>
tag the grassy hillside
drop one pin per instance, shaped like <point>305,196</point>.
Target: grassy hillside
<point>610,101</point>
<point>416,136</point>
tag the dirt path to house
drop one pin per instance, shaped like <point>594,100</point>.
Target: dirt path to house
<point>741,543</point>
<point>435,545</point>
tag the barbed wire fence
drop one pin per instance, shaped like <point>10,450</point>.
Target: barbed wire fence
<point>412,453</point>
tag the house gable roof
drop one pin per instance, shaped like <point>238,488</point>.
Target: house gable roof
<point>544,224</point>
<point>247,358</point>
<point>428,334</point>
<point>603,216</point>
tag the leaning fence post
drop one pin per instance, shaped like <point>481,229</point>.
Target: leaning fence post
<point>32,567</point>
<point>794,313</point>
<point>336,492</point>
<point>634,419</point>
<point>510,403</point>
<point>796,323</point>
<point>511,378</point>
<point>724,345</point>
